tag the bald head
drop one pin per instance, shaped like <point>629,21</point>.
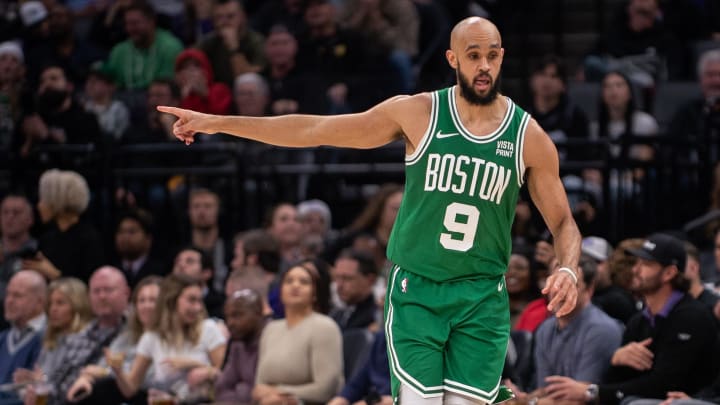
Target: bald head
<point>109,294</point>
<point>469,30</point>
<point>25,297</point>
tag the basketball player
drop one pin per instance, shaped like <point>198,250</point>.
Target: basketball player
<point>469,150</point>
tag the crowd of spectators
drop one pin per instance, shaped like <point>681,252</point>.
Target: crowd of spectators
<point>177,304</point>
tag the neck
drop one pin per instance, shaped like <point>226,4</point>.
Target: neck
<point>545,104</point>
<point>205,238</point>
<point>295,315</point>
<point>110,321</point>
<point>323,31</point>
<point>281,69</point>
<point>470,113</point>
<point>616,114</point>
<point>696,288</point>
<point>657,300</point>
<point>564,321</point>
<point>103,100</point>
<point>66,220</point>
<point>383,233</point>
<point>12,243</point>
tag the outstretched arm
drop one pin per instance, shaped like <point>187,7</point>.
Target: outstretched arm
<point>375,127</point>
<point>549,196</point>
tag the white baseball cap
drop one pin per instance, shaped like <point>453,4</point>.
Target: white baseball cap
<point>32,12</point>
<point>597,248</point>
<point>12,48</point>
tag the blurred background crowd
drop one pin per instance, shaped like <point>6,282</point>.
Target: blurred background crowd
<point>193,264</point>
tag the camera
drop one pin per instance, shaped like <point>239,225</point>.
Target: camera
<point>27,252</point>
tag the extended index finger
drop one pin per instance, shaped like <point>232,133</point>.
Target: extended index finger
<point>170,110</point>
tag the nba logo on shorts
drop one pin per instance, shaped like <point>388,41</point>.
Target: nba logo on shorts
<point>403,284</point>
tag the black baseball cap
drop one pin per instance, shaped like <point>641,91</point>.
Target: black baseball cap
<point>662,248</point>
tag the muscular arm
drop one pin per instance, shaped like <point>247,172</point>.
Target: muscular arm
<point>382,124</point>
<point>549,196</point>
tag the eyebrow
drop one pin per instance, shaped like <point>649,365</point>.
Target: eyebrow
<point>476,46</point>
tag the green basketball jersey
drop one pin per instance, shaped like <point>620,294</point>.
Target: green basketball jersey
<point>460,195</point>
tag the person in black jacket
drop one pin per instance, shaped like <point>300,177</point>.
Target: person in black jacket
<point>668,346</point>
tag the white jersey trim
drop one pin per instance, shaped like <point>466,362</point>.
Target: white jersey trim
<point>427,137</point>
<point>492,136</point>
<point>519,147</point>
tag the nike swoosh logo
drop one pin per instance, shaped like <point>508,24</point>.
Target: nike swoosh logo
<point>440,135</point>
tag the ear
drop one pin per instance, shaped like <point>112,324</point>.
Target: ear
<point>451,58</point>
<point>669,273</point>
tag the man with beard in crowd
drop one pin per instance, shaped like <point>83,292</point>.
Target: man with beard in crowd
<point>468,152</point>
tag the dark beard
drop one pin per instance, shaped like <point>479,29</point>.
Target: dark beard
<point>467,92</point>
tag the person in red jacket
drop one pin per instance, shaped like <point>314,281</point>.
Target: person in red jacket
<point>199,91</point>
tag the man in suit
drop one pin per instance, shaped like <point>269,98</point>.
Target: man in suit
<point>133,244</point>
<point>354,276</point>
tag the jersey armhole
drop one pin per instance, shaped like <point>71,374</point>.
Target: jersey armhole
<point>427,136</point>
<point>519,147</point>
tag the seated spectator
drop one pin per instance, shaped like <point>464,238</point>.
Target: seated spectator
<point>535,312</point>
<point>283,225</point>
<point>16,219</point>
<point>377,219</point>
<point>70,247</point>
<point>155,126</point>
<point>578,345</point>
<point>204,215</point>
<point>75,54</point>
<point>25,302</point>
<point>371,383</point>
<point>695,120</point>
<point>552,108</point>
<point>286,82</point>
<point>341,77</point>
<point>637,43</point>
<point>666,347</point>
<point>245,320</point>
<point>254,278</point>
<point>316,220</point>
<point>692,271</point>
<point>393,29</point>
<point>521,284</point>
<point>133,246</point>
<point>251,95</point>
<point>95,380</point>
<point>149,53</point>
<point>180,340</point>
<point>256,248</point>
<point>109,296</point>
<point>58,118</point>
<point>68,312</point>
<point>198,89</point>
<point>307,340</point>
<point>619,119</point>
<point>234,48</point>
<point>12,87</point>
<point>613,299</point>
<point>196,264</point>
<point>354,276</point>
<point>112,115</point>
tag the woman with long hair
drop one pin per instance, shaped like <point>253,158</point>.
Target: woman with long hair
<point>306,339</point>
<point>68,310</point>
<point>180,339</point>
<point>94,378</point>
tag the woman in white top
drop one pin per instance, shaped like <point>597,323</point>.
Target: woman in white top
<point>300,358</point>
<point>619,117</point>
<point>180,339</point>
<point>144,303</point>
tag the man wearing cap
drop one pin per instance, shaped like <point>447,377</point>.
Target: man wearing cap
<point>669,346</point>
<point>608,296</point>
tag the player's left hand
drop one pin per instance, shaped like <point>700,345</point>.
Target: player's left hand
<point>565,388</point>
<point>562,293</point>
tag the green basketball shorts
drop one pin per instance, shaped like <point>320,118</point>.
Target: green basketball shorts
<point>449,336</point>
